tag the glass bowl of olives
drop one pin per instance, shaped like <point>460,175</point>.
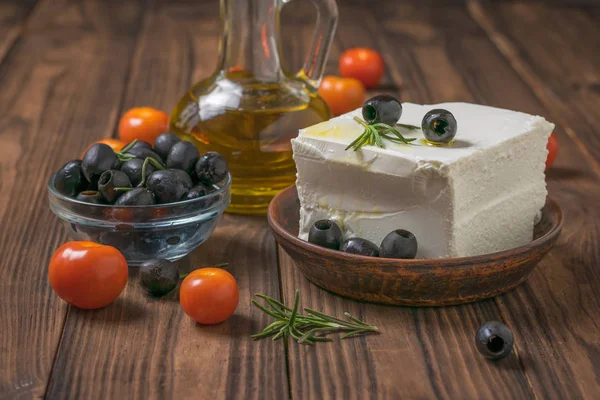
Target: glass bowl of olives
<point>170,231</point>
<point>148,201</point>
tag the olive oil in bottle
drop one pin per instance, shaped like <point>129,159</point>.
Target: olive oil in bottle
<point>251,108</point>
<point>252,131</point>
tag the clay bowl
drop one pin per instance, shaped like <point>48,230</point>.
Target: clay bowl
<point>420,282</point>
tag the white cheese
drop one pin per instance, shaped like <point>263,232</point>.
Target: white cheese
<point>479,195</point>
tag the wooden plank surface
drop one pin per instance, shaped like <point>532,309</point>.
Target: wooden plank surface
<point>436,343</point>
<point>555,312</point>
<point>445,55</point>
<point>57,93</point>
<point>69,68</point>
<point>149,347</point>
<point>555,51</point>
<point>552,315</point>
<point>13,18</point>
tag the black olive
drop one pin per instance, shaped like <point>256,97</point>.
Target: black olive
<point>185,178</point>
<point>326,233</point>
<point>200,190</point>
<point>143,153</point>
<point>360,246</point>
<point>164,143</point>
<point>439,126</point>
<point>69,180</point>
<point>140,144</point>
<point>159,277</point>
<point>399,244</point>
<point>211,168</point>
<point>90,196</point>
<point>183,155</point>
<point>123,241</point>
<point>494,340</point>
<point>167,186</point>
<point>133,169</point>
<point>100,157</point>
<point>110,180</point>
<point>136,197</point>
<point>382,108</point>
<point>151,243</point>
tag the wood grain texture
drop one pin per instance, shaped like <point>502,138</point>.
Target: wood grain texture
<point>13,20</point>
<point>68,73</point>
<point>442,54</point>
<point>555,315</point>
<point>558,360</point>
<point>148,348</point>
<point>555,51</point>
<point>420,353</point>
<point>58,87</point>
<point>424,353</point>
<point>297,26</point>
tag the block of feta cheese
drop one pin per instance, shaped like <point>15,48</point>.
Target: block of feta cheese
<point>482,194</point>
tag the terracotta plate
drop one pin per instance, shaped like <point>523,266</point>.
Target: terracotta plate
<point>420,282</point>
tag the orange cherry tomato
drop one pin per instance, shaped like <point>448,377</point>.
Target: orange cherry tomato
<point>552,150</point>
<point>209,295</point>
<point>363,64</point>
<point>87,274</point>
<point>236,68</point>
<point>115,144</point>
<point>143,123</point>
<point>342,94</point>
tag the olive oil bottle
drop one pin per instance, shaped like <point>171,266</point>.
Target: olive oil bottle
<point>250,109</point>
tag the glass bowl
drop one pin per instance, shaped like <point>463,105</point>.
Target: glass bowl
<point>169,231</point>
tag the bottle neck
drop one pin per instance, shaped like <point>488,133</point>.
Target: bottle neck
<point>250,39</point>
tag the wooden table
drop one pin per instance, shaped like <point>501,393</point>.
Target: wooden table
<point>69,69</point>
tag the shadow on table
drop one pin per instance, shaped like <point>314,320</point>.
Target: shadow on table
<point>123,309</point>
<point>238,326</point>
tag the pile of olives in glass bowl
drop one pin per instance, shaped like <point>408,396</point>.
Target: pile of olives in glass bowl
<point>158,201</point>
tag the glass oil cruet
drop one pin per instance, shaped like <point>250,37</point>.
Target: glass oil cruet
<point>251,108</point>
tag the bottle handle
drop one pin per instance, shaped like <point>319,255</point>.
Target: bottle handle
<point>314,64</point>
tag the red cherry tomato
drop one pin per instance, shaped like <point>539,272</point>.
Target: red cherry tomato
<point>552,150</point>
<point>87,274</point>
<point>363,64</point>
<point>209,295</point>
<point>143,123</point>
<point>115,144</point>
<point>342,94</point>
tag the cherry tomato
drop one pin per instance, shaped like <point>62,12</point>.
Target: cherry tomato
<point>552,150</point>
<point>363,64</point>
<point>143,123</point>
<point>87,274</point>
<point>236,68</point>
<point>158,212</point>
<point>120,214</point>
<point>115,144</point>
<point>209,295</point>
<point>342,94</point>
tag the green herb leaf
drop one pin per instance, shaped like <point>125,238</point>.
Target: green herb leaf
<point>128,147</point>
<point>306,329</point>
<point>373,135</point>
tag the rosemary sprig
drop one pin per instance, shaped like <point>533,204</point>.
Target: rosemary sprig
<point>155,164</point>
<point>121,154</point>
<point>373,135</point>
<point>306,329</point>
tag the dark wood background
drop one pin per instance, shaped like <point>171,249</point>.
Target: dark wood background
<point>68,69</point>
